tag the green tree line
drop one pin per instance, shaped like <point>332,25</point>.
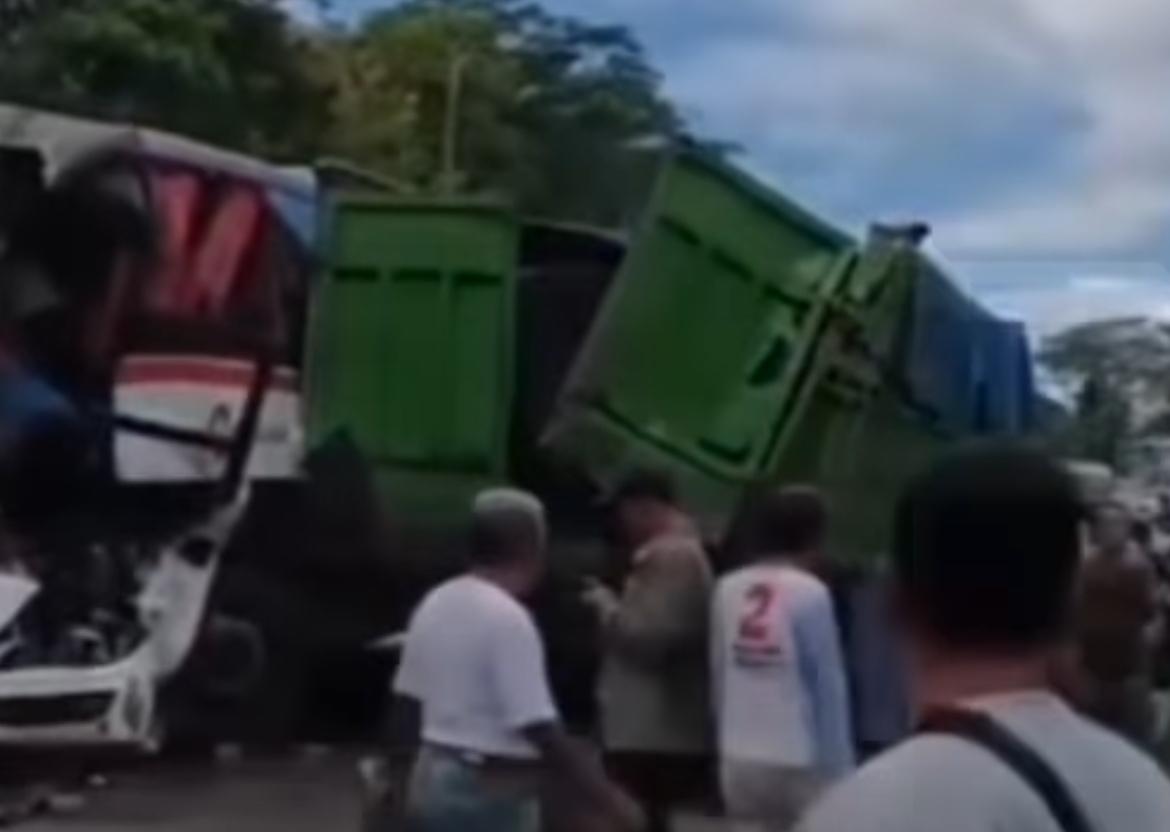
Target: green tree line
<point>487,97</point>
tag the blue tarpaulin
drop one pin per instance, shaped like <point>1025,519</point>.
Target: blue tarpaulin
<point>973,370</point>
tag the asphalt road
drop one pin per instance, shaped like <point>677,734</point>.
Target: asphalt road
<point>310,793</point>
<point>301,795</point>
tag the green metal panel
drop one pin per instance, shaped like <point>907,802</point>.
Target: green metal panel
<point>852,431</point>
<point>411,345</point>
<point>703,336</point>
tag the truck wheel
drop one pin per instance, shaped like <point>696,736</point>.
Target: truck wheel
<point>233,659</point>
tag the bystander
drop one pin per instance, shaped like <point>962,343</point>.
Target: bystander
<point>986,553</point>
<point>778,682</point>
<point>472,688</point>
<point>653,688</point>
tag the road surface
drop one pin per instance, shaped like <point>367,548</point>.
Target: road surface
<point>311,793</point>
<point>302,795</point>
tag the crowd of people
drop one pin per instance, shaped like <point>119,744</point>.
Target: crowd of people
<point>1022,662</point>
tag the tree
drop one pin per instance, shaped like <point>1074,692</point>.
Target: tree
<point>477,97</point>
<point>496,97</point>
<point>228,71</point>
<point>1120,369</point>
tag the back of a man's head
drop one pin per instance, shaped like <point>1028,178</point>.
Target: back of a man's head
<point>788,521</point>
<point>986,548</point>
<point>507,527</point>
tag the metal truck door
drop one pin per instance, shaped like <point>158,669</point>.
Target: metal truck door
<point>411,341</point>
<point>700,342</point>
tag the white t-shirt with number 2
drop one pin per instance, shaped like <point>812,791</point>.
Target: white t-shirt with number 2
<point>777,672</point>
<point>474,660</point>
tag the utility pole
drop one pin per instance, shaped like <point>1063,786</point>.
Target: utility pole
<point>448,171</point>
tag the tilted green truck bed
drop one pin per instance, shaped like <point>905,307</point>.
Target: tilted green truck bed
<point>741,342</point>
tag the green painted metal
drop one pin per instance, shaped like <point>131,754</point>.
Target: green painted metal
<point>742,342</point>
<point>703,337</point>
<point>746,343</point>
<point>411,346</point>
<point>852,431</point>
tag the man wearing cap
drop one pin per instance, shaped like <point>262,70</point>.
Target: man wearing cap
<point>472,688</point>
<point>653,687</point>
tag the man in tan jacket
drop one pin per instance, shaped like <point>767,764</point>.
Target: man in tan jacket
<point>654,688</point>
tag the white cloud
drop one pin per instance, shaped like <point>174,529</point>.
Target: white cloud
<point>306,11</point>
<point>1107,211</point>
<point>1051,296</point>
<point>888,87</point>
<point>1018,127</point>
<point>1120,201</point>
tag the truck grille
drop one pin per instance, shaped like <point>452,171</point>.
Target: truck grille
<point>54,710</point>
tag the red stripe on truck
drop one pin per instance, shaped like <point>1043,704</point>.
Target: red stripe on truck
<point>209,372</point>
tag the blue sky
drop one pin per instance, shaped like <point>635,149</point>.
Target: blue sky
<point>1034,135</point>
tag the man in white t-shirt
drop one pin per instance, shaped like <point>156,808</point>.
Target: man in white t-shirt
<point>472,687</point>
<point>778,679</point>
<point>986,550</point>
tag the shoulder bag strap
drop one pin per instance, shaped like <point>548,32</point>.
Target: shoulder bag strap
<point>982,730</point>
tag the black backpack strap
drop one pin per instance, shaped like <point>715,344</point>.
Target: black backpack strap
<point>982,730</point>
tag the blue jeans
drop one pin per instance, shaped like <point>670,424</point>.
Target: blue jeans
<point>448,794</point>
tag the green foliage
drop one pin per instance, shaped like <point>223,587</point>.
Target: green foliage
<point>486,97</point>
<point>228,71</point>
<point>532,105</point>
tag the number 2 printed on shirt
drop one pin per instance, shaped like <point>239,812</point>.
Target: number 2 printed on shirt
<point>753,625</point>
<point>761,638</point>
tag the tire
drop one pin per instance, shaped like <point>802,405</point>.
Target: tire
<point>232,659</point>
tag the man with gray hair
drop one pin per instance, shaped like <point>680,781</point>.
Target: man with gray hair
<point>473,690</point>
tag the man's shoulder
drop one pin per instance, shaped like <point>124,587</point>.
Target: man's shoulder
<point>474,616</point>
<point>805,582</point>
<point>928,782</point>
<point>797,583</point>
<point>934,782</point>
<point>470,596</point>
<point>675,543</point>
<point>1112,763</point>
<point>676,552</point>
<point>801,583</point>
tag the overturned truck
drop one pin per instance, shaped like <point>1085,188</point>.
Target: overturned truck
<point>421,349</point>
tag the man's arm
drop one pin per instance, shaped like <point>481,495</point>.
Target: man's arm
<point>664,611</point>
<point>521,685</point>
<point>402,726</point>
<point>566,760</point>
<point>402,730</point>
<point>716,656</point>
<point>822,669</point>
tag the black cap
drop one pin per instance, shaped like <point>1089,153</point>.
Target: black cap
<point>641,484</point>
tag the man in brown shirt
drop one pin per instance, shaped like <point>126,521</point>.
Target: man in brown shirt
<point>653,687</point>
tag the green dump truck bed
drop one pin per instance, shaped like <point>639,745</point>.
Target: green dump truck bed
<point>735,340</point>
<point>412,348</point>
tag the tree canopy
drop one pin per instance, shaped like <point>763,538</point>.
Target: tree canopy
<point>227,71</point>
<point>486,97</point>
<point>1119,370</point>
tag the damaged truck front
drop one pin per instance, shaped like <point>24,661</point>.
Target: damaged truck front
<point>145,284</point>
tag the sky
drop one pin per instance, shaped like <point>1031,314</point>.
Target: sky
<point>1033,135</point>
